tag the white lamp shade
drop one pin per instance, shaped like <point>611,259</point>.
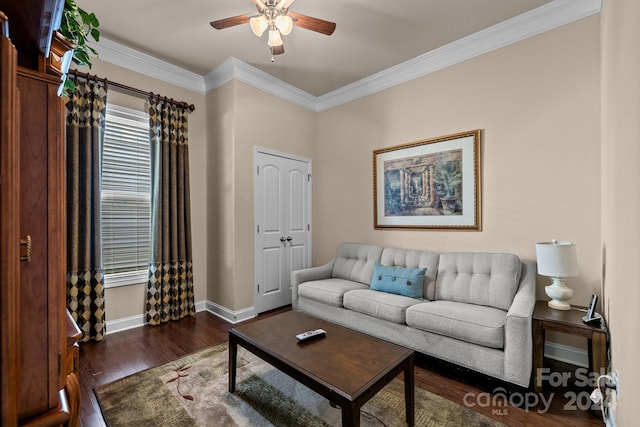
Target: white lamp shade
<point>284,23</point>
<point>275,39</point>
<point>557,259</point>
<point>258,24</point>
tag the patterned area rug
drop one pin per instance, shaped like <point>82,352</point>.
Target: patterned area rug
<point>193,391</point>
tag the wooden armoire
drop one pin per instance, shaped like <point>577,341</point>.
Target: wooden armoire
<point>38,374</point>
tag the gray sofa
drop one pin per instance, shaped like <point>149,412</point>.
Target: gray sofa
<point>475,312</point>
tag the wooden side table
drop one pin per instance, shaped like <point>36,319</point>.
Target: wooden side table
<point>568,322</point>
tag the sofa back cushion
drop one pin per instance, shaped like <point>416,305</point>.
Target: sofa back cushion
<point>355,262</point>
<point>478,278</point>
<point>409,258</point>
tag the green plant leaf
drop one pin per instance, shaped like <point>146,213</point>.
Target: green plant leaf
<point>78,26</point>
<point>70,5</point>
<point>93,20</point>
<point>81,56</point>
<point>68,87</point>
<point>84,15</point>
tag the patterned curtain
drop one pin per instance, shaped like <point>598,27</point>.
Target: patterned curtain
<point>85,135</point>
<point>170,293</point>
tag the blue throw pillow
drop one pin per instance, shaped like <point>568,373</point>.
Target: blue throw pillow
<point>398,280</point>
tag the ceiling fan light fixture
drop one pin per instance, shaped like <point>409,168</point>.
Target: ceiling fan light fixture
<point>258,24</point>
<point>275,39</point>
<point>284,23</point>
<point>274,16</point>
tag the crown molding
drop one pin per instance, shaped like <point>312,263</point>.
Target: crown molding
<point>235,69</point>
<point>134,60</point>
<point>545,18</point>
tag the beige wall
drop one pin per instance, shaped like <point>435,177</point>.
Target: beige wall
<point>538,104</point>
<point>220,195</point>
<point>620,189</point>
<point>240,118</point>
<point>129,301</point>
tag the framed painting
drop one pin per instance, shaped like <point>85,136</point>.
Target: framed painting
<point>430,184</point>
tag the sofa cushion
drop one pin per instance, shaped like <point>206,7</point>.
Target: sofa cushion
<point>410,258</point>
<point>355,262</point>
<point>381,305</point>
<point>398,280</point>
<point>467,322</point>
<point>328,291</point>
<point>478,278</point>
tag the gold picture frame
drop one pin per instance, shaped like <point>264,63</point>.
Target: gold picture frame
<point>433,184</point>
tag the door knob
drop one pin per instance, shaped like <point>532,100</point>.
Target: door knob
<point>289,238</point>
<point>282,239</point>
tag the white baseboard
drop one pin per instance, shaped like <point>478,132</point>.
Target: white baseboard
<point>124,323</point>
<point>230,315</point>
<point>201,306</point>
<point>566,354</point>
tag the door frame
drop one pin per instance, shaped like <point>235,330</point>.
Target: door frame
<point>256,246</point>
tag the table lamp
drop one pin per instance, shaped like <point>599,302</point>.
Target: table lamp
<point>557,260</point>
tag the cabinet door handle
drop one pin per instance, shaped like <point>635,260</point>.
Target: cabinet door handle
<point>289,238</point>
<point>26,242</point>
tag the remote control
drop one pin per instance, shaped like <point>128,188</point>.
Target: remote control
<point>305,336</point>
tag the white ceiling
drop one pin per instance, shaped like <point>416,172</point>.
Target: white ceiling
<point>370,35</point>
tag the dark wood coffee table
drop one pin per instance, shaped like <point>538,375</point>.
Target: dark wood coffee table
<point>346,367</point>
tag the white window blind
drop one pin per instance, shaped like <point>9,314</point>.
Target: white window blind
<point>126,191</point>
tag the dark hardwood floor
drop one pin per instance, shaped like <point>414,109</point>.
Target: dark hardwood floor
<point>127,352</point>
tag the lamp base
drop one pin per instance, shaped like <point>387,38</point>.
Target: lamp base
<point>559,305</point>
<point>559,293</point>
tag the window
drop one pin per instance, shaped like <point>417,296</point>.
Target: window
<point>126,197</point>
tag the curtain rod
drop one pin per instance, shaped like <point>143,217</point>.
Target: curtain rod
<point>133,90</point>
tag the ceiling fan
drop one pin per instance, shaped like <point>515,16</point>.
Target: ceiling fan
<point>275,16</point>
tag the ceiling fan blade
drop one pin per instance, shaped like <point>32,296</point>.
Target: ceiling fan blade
<point>259,4</point>
<point>277,50</point>
<point>313,24</point>
<point>284,4</point>
<point>221,24</point>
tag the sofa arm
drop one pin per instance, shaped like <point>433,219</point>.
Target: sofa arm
<point>306,275</point>
<point>518,344</point>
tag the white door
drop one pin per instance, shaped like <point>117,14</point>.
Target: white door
<point>282,225</point>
